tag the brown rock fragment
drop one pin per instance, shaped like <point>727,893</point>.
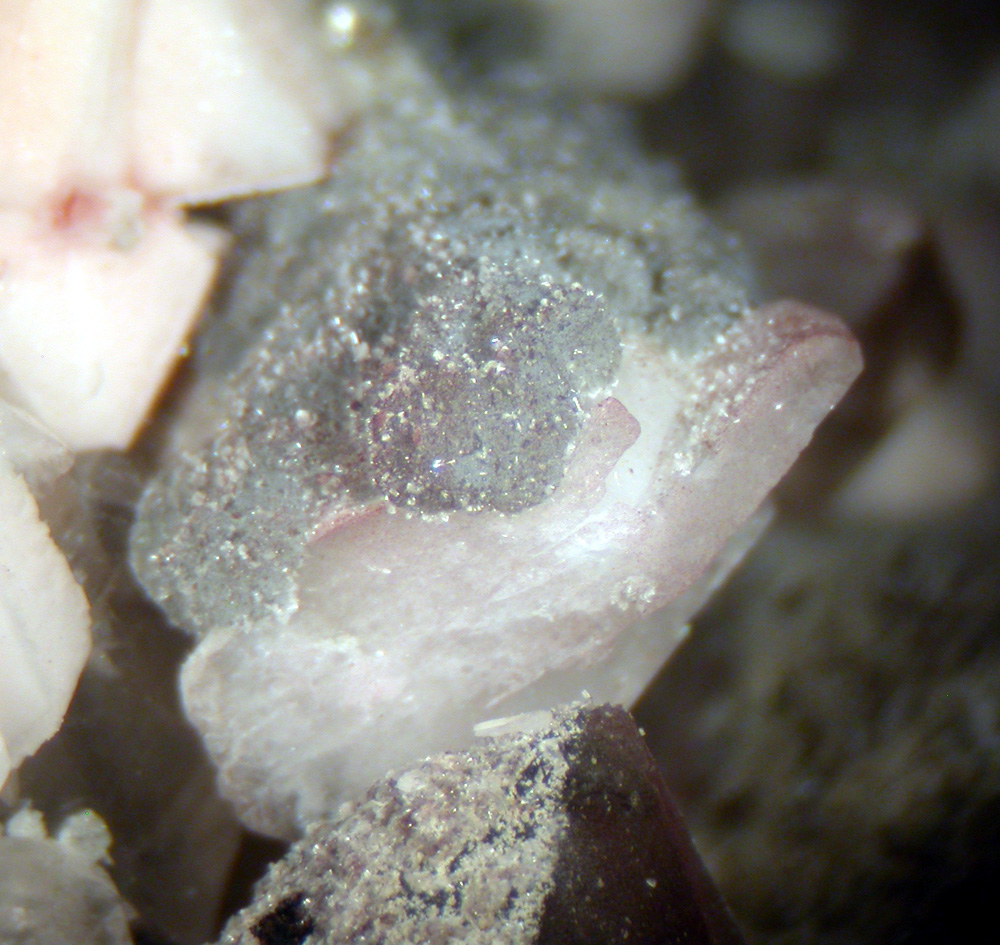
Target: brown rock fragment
<point>564,835</point>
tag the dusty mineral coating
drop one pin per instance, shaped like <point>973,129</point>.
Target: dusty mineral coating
<point>462,278</point>
<point>560,834</point>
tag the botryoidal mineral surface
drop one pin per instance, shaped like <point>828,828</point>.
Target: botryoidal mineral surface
<point>472,422</point>
<point>556,836</point>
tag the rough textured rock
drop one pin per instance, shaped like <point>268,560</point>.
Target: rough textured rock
<point>559,836</point>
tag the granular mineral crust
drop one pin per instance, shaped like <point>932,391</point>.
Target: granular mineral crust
<point>560,836</point>
<point>430,327</point>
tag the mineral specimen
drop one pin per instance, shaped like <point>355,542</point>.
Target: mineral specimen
<point>114,113</point>
<point>53,891</point>
<point>473,421</point>
<point>44,617</point>
<point>556,836</point>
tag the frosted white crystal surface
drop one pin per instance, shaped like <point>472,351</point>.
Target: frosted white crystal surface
<point>44,616</point>
<point>114,112</point>
<point>231,97</point>
<point>53,894</point>
<point>90,329</point>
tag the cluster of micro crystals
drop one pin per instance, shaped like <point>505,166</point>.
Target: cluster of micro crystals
<point>476,403</point>
<point>436,322</point>
<point>466,391</point>
<point>428,472</point>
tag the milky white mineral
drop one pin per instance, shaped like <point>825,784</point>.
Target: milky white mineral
<point>54,891</point>
<point>115,113</point>
<point>44,616</point>
<point>476,417</point>
<point>793,41</point>
<point>624,46</point>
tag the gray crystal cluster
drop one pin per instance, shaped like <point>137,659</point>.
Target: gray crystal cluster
<point>431,327</point>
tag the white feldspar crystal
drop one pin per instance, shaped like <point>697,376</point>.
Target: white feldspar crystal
<point>114,112</point>
<point>231,97</point>
<point>489,414</point>
<point>53,892</point>
<point>44,616</point>
<point>64,80</point>
<point>185,99</point>
<point>89,329</point>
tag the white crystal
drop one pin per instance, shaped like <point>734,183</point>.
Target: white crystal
<point>411,630</point>
<point>44,616</point>
<point>113,113</point>
<point>89,330</point>
<point>52,892</point>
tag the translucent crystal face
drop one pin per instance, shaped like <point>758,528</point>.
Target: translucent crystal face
<point>473,420</point>
<point>474,400</point>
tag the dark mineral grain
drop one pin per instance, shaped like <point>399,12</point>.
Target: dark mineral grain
<point>560,836</point>
<point>627,871</point>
